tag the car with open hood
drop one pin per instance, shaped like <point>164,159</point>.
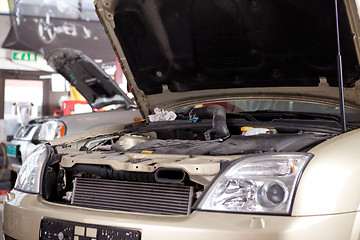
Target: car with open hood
<point>251,115</point>
<point>98,89</point>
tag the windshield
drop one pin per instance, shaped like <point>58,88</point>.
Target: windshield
<point>26,132</point>
<point>291,106</point>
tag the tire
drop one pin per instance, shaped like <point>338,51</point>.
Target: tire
<point>6,176</point>
<point>2,161</point>
<point>2,147</point>
<point>5,186</point>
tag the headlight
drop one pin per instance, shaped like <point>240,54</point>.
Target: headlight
<point>256,184</point>
<point>50,130</point>
<point>29,177</point>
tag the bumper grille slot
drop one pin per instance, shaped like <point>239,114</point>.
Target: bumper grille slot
<point>154,198</point>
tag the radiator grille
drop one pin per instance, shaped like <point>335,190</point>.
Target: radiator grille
<point>155,198</point>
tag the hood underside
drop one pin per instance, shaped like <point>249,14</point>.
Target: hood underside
<point>206,44</point>
<point>88,78</point>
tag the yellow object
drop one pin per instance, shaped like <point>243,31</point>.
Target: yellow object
<point>75,95</point>
<point>244,129</point>
<point>147,152</point>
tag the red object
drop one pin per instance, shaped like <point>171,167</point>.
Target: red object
<point>57,112</point>
<point>68,107</point>
<point>2,192</point>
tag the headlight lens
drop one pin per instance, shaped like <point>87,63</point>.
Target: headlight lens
<point>29,177</point>
<point>256,184</point>
<point>51,130</point>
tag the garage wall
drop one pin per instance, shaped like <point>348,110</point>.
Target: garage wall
<point>2,95</point>
<point>50,99</point>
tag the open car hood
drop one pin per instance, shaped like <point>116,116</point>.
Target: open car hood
<point>176,53</point>
<point>88,78</point>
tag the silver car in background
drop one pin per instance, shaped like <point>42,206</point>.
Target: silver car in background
<point>98,89</point>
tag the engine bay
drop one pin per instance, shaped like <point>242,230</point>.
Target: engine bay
<point>184,153</point>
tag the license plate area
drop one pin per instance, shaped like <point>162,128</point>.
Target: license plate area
<point>53,229</point>
<point>12,150</point>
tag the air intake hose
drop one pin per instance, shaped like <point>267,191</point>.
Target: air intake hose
<point>218,115</point>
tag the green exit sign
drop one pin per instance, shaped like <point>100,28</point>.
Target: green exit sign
<point>24,56</point>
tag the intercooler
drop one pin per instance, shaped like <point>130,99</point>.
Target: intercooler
<point>153,198</point>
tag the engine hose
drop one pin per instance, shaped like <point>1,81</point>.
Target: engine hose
<point>218,115</point>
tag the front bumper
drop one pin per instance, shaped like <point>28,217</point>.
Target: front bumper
<point>23,214</point>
